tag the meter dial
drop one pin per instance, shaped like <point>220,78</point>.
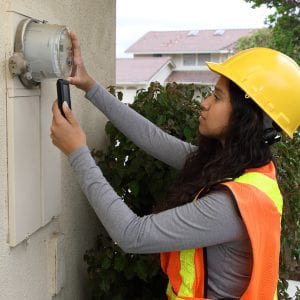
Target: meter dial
<point>63,57</point>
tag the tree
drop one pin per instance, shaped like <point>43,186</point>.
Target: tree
<point>285,25</point>
<point>260,38</point>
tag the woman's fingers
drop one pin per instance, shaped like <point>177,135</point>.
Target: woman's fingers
<point>76,48</point>
<point>76,56</point>
<point>79,76</point>
<point>68,113</point>
<point>66,134</point>
<point>57,116</point>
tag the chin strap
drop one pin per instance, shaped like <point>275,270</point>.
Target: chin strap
<point>271,129</point>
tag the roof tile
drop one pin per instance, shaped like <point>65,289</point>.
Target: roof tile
<point>139,69</point>
<point>188,41</point>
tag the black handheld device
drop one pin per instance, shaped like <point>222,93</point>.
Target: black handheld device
<point>63,94</point>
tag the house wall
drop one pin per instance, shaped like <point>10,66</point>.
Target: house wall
<point>26,270</point>
<point>219,57</point>
<point>129,92</point>
<point>178,61</point>
<point>162,74</point>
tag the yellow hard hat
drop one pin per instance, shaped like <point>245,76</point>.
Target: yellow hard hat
<point>271,79</point>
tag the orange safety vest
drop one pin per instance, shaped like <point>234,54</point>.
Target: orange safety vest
<point>260,204</point>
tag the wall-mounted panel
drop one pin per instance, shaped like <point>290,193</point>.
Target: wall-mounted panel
<point>34,165</point>
<point>50,157</point>
<point>24,170</point>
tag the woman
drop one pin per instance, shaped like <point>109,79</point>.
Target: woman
<point>225,244</point>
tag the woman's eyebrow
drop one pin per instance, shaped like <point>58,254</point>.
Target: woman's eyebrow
<point>219,90</point>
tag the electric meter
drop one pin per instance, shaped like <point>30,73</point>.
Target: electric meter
<point>41,51</point>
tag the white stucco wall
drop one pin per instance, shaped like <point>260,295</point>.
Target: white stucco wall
<point>163,74</point>
<point>129,92</point>
<point>24,268</point>
<point>178,61</point>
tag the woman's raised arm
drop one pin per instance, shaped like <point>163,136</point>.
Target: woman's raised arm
<point>139,130</point>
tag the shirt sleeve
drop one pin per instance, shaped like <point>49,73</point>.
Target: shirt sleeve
<point>209,221</point>
<point>139,130</point>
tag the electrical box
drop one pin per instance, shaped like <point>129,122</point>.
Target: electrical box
<point>36,52</point>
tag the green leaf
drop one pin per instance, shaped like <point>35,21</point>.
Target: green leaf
<point>141,269</point>
<point>106,263</point>
<point>104,285</point>
<point>134,187</point>
<point>187,133</point>
<point>118,297</point>
<point>129,272</point>
<point>120,262</point>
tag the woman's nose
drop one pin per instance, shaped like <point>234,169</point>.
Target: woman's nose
<point>205,103</point>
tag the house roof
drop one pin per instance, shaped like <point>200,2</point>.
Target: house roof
<point>194,41</point>
<point>131,70</point>
<point>202,77</point>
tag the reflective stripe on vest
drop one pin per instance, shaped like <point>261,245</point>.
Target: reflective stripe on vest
<point>266,185</point>
<point>260,204</point>
<point>187,272</point>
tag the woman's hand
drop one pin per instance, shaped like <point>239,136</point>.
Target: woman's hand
<point>79,77</point>
<point>66,134</point>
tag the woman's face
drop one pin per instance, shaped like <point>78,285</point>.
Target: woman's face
<point>216,111</point>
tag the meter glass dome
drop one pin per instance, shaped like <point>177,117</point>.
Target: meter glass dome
<point>62,54</point>
<point>41,51</point>
<point>48,51</point>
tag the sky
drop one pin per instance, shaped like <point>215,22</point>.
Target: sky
<point>137,17</point>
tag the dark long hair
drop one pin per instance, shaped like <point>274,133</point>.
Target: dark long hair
<point>212,163</point>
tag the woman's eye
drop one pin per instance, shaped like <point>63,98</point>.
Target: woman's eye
<point>215,96</point>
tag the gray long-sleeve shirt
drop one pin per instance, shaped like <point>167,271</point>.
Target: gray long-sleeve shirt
<point>211,222</point>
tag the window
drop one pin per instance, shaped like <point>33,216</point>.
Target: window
<point>202,58</point>
<point>189,59</point>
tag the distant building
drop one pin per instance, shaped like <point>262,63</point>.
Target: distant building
<point>137,73</point>
<point>180,56</point>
